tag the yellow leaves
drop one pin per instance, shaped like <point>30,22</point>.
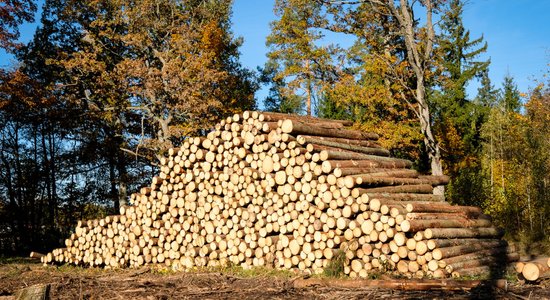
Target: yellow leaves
<point>212,38</point>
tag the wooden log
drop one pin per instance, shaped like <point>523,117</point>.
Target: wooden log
<point>274,117</point>
<point>404,196</point>
<point>483,232</point>
<point>482,261</point>
<point>36,255</point>
<point>347,155</point>
<point>501,254</point>
<point>442,243</point>
<point>297,127</point>
<point>363,143</point>
<point>440,253</point>
<point>392,172</point>
<point>413,188</point>
<point>396,284</point>
<point>372,162</point>
<point>446,216</point>
<point>419,225</point>
<point>445,208</point>
<point>533,270</point>
<point>366,179</point>
<point>352,149</point>
<point>473,271</point>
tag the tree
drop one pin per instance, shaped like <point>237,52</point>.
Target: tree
<point>419,45</point>
<point>12,14</point>
<point>295,56</point>
<point>510,94</point>
<point>486,94</point>
<point>366,90</point>
<point>457,120</point>
<point>457,59</point>
<point>166,68</point>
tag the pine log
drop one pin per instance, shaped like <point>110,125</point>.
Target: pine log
<point>363,143</point>
<point>366,179</point>
<point>413,188</point>
<point>418,225</point>
<point>391,172</point>
<point>482,261</point>
<point>440,253</point>
<point>483,232</point>
<point>298,127</point>
<point>442,243</point>
<point>396,284</point>
<point>444,208</point>
<point>535,269</point>
<point>473,271</point>
<point>274,117</point>
<point>344,146</point>
<point>347,155</point>
<point>445,216</point>
<point>36,255</point>
<point>406,197</point>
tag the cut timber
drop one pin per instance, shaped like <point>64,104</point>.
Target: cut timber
<point>440,253</point>
<point>446,216</point>
<point>534,270</point>
<point>501,254</point>
<point>36,255</point>
<point>412,188</point>
<point>363,143</point>
<point>406,197</point>
<point>479,262</point>
<point>346,146</point>
<point>489,232</point>
<point>273,117</point>
<point>418,225</point>
<point>441,243</point>
<point>391,172</point>
<point>367,179</point>
<point>405,284</point>
<point>474,271</point>
<point>346,155</point>
<point>297,127</point>
<point>444,207</point>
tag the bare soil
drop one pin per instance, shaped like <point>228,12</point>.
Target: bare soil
<point>147,283</point>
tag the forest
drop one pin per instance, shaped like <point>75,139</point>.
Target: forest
<point>105,88</point>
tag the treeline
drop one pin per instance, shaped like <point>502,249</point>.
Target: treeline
<point>105,88</point>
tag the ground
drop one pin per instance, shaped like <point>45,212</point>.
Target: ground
<point>66,282</point>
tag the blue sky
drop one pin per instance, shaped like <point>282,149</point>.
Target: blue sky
<point>517,32</point>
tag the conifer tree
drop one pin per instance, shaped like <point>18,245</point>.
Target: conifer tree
<point>300,66</point>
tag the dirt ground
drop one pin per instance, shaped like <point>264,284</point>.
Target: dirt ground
<point>79,283</point>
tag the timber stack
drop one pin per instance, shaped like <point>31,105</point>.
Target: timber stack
<point>292,192</point>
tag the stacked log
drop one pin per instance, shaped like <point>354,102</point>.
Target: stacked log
<point>267,189</point>
<point>534,269</point>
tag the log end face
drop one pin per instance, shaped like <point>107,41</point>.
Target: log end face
<point>287,126</point>
<point>530,271</point>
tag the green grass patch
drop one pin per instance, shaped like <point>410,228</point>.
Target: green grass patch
<point>335,269</point>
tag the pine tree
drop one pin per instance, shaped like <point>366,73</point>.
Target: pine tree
<point>486,94</point>
<point>458,63</point>
<point>510,95</point>
<point>300,65</point>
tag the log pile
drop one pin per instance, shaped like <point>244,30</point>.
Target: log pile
<point>292,192</point>
<point>534,269</point>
